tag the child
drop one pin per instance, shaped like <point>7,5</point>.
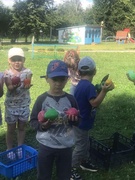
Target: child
<point>56,138</point>
<point>88,100</point>
<point>17,97</point>
<point>1,93</point>
<point>72,59</point>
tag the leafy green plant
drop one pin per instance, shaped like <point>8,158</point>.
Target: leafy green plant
<point>50,49</point>
<point>60,49</point>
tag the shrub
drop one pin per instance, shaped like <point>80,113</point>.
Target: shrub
<point>50,49</point>
<point>61,49</point>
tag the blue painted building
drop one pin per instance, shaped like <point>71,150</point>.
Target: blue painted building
<point>85,34</point>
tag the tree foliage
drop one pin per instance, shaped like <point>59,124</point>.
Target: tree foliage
<point>116,14</point>
<point>30,17</point>
<point>71,13</point>
<point>5,19</point>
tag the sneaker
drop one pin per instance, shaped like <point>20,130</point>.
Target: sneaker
<point>75,175</point>
<point>88,166</point>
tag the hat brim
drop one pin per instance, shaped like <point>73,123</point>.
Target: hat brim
<point>54,75</point>
<point>51,75</point>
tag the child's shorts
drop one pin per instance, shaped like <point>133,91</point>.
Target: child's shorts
<point>12,115</point>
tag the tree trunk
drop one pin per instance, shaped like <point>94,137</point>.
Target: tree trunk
<point>26,39</point>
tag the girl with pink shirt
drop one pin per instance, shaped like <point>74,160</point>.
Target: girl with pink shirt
<point>72,59</point>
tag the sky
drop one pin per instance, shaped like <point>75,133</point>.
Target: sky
<point>85,3</point>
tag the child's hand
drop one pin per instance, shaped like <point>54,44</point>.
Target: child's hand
<point>16,81</point>
<point>27,82</point>
<point>72,114</point>
<point>16,85</point>
<point>10,85</point>
<point>46,125</point>
<point>27,86</point>
<point>108,87</point>
<point>72,118</point>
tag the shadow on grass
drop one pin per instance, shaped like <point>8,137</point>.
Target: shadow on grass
<point>116,113</point>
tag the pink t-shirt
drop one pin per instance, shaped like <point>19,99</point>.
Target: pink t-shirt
<point>74,76</point>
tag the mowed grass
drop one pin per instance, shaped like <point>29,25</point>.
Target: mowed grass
<point>115,114</point>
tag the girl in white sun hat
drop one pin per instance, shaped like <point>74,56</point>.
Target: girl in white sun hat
<point>18,82</point>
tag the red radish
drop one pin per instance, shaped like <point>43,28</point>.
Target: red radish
<point>72,111</point>
<point>27,81</point>
<point>41,116</point>
<point>15,80</point>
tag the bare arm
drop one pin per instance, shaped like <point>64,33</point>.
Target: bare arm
<point>98,100</point>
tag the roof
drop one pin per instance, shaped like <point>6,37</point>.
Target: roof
<point>91,26</point>
<point>121,35</point>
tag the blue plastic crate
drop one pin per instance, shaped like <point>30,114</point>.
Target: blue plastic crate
<point>17,160</point>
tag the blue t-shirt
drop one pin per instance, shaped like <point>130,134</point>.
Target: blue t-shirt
<point>84,92</point>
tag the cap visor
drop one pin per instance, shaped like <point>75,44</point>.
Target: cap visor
<point>56,74</point>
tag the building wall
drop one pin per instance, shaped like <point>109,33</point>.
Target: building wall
<point>92,35</point>
<point>71,35</point>
<point>79,35</point>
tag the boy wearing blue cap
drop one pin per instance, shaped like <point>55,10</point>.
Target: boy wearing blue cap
<point>55,137</point>
<point>88,100</point>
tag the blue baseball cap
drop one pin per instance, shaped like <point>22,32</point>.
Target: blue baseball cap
<point>57,68</point>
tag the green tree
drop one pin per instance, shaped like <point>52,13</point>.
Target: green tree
<point>88,16</point>
<point>5,19</point>
<point>29,17</point>
<point>71,13</point>
<point>19,23</point>
<point>116,14</point>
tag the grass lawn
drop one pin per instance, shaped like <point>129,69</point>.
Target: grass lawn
<point>116,113</point>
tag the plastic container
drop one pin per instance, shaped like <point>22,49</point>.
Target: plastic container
<point>17,160</point>
<point>113,151</point>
